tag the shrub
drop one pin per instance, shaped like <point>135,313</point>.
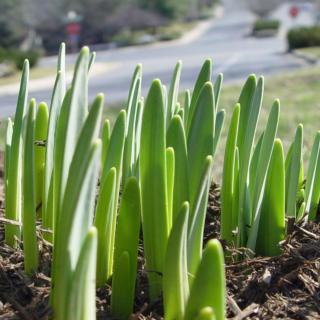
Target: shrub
<point>304,37</point>
<point>18,57</point>
<point>3,55</point>
<point>170,32</point>
<point>264,24</point>
<point>124,38</point>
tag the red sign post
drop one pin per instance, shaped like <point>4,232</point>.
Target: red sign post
<point>73,30</point>
<point>294,11</point>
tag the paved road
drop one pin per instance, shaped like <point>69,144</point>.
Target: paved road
<point>226,41</point>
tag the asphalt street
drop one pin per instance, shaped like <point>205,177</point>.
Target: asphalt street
<point>226,41</point>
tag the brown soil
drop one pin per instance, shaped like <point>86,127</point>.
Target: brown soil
<point>284,287</point>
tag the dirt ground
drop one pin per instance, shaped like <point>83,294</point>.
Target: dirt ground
<point>283,287</point>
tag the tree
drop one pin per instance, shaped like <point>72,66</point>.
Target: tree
<point>263,7</point>
<point>11,23</point>
<point>168,8</point>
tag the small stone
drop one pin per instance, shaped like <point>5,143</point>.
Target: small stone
<point>266,278</point>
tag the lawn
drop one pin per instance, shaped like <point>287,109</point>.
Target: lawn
<point>312,52</point>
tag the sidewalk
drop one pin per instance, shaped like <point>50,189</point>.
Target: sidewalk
<point>48,82</point>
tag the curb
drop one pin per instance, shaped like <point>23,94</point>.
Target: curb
<point>307,57</point>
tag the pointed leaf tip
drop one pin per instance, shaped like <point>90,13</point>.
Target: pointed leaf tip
<point>92,233</point>
<point>85,50</point>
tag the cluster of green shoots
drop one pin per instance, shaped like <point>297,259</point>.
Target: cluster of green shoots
<point>88,189</point>
<point>262,190</point>
<point>66,172</point>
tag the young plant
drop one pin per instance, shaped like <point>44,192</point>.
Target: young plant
<point>203,77</point>
<point>154,186</point>
<point>200,144</point>
<point>175,272</point>
<point>177,140</point>
<point>55,107</point>
<point>72,115</point>
<point>263,162</point>
<point>312,189</point>
<point>173,92</point>
<point>272,217</point>
<point>103,223</point>
<point>250,101</point>
<point>77,208</point>
<point>245,194</point>
<point>81,304</point>
<point>7,154</point>
<point>179,168</point>
<point>105,140</point>
<point>229,181</point>
<point>41,128</point>
<point>207,290</point>
<point>14,165</point>
<point>129,153</point>
<point>106,214</point>
<point>197,219</point>
<point>293,173</point>
<point>170,164</point>
<point>209,285</point>
<point>30,245</point>
<point>126,251</point>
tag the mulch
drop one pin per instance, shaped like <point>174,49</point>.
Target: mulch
<point>283,287</point>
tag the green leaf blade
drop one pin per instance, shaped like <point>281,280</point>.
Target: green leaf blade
<point>294,172</point>
<point>82,296</point>
<point>30,245</point>
<point>154,185</point>
<point>13,200</point>
<point>41,130</point>
<point>203,77</point>
<point>175,273</point>
<point>228,180</point>
<point>272,219</point>
<point>177,140</point>
<point>209,287</point>
<point>104,223</point>
<point>126,251</point>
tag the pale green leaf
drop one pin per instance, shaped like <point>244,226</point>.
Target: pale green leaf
<point>30,245</point>
<point>154,186</point>
<point>175,272</point>
<point>209,287</point>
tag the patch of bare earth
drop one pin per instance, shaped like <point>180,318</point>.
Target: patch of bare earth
<point>283,287</point>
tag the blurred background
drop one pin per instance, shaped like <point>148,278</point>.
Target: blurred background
<point>241,36</point>
<point>275,38</point>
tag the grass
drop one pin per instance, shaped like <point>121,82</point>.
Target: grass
<point>298,92</point>
<point>312,52</point>
<point>264,24</point>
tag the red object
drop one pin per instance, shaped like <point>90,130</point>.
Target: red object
<point>73,28</point>
<point>294,11</point>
